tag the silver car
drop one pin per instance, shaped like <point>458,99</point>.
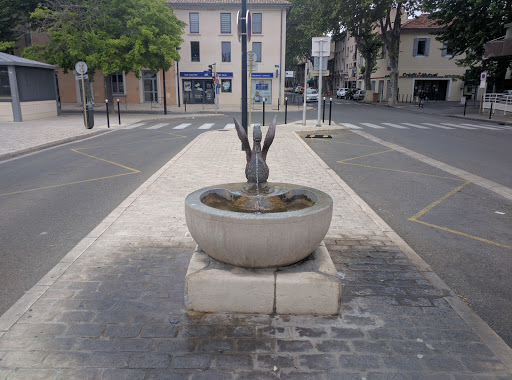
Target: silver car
<point>311,95</point>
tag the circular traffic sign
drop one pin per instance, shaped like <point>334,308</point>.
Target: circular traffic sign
<point>81,67</point>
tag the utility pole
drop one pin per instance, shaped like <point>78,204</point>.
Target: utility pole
<point>244,64</point>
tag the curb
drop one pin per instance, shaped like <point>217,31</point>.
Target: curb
<point>482,329</point>
<point>7,156</point>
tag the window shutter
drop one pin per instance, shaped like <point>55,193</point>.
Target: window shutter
<point>415,48</point>
<point>444,50</point>
<point>427,46</point>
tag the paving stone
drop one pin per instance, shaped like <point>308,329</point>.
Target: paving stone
<point>191,361</point>
<point>32,374</point>
<point>255,345</point>
<point>215,345</point>
<point>304,332</point>
<point>257,375</point>
<point>175,345</point>
<point>67,359</point>
<point>443,364</point>
<point>279,361</point>
<point>159,330</point>
<point>346,333</point>
<point>148,360</point>
<point>387,376</point>
<point>318,362</point>
<point>133,344</point>
<point>333,346</point>
<point>89,344</point>
<point>402,363</point>
<point>301,376</point>
<point>359,362</point>
<point>84,374</point>
<point>212,375</point>
<point>167,374</point>
<point>484,365</point>
<point>294,345</point>
<point>108,360</point>
<point>123,331</point>
<point>343,376</point>
<point>233,361</point>
<point>85,330</point>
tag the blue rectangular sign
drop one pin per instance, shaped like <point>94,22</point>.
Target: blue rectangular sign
<point>203,74</point>
<point>262,75</point>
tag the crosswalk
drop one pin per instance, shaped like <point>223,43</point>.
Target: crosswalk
<point>355,126</point>
<point>424,126</point>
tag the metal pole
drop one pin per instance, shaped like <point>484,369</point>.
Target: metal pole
<point>304,95</point>
<point>278,101</point>
<point>244,65</point>
<point>490,112</point>
<point>118,112</point>
<point>108,118</point>
<point>320,80</point>
<point>263,124</point>
<point>185,103</point>
<point>330,110</point>
<point>165,94</point>
<point>465,105</point>
<point>285,109</point>
<point>323,111</point>
<point>83,93</point>
<point>178,80</point>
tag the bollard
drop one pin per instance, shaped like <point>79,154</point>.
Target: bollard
<point>330,110</point>
<point>323,111</point>
<point>490,112</point>
<point>108,118</point>
<point>263,124</point>
<point>278,101</point>
<point>465,105</point>
<point>118,112</point>
<point>285,109</point>
<point>185,103</point>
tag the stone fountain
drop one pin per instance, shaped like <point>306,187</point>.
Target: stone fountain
<point>259,243</point>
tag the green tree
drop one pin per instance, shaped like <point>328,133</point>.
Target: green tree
<point>109,35</point>
<point>467,26</point>
<point>14,17</point>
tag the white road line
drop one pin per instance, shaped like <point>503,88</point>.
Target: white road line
<point>182,126</point>
<point>134,126</point>
<point>457,126</point>
<point>372,125</point>
<point>416,126</point>
<point>482,126</point>
<point>158,126</point>
<point>206,126</point>
<point>437,126</point>
<point>395,126</point>
<point>229,126</point>
<point>350,126</point>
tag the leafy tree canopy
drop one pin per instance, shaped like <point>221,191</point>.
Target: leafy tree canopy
<point>14,16</point>
<point>111,35</point>
<point>468,25</point>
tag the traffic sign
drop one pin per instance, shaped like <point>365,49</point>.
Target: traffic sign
<point>80,77</point>
<point>248,25</point>
<point>251,56</point>
<point>321,46</point>
<point>316,63</point>
<point>81,67</point>
<point>325,73</point>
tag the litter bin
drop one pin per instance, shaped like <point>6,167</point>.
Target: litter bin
<point>90,116</point>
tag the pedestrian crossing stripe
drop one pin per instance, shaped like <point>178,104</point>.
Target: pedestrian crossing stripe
<point>374,126</point>
<point>482,126</point>
<point>416,126</point>
<point>351,126</point>
<point>230,126</point>
<point>206,126</point>
<point>395,125</point>
<point>182,126</point>
<point>134,126</point>
<point>437,126</point>
<point>158,126</point>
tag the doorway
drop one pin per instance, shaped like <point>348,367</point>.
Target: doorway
<point>198,91</point>
<point>149,86</point>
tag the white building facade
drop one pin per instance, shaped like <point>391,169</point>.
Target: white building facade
<point>211,38</point>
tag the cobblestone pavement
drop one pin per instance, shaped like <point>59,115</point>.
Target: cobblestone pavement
<point>114,307</point>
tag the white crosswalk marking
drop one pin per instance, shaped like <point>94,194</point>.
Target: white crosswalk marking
<point>482,126</point>
<point>437,126</point>
<point>134,126</point>
<point>395,126</point>
<point>182,126</point>
<point>229,126</point>
<point>158,126</point>
<point>416,126</point>
<point>372,125</point>
<point>458,126</point>
<point>206,126</point>
<point>350,126</point>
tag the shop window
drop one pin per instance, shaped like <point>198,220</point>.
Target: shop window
<point>194,22</point>
<point>225,22</point>
<point>5,87</point>
<point>256,23</point>
<point>226,51</point>
<point>194,51</point>
<point>421,47</point>
<point>226,85</point>
<point>117,83</point>
<point>256,47</point>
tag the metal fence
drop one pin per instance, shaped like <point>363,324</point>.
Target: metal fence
<point>497,102</point>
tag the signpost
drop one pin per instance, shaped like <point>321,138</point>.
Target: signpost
<point>81,68</point>
<point>321,47</point>
<point>251,58</point>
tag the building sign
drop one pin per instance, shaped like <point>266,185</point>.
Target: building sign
<point>262,75</point>
<point>203,74</point>
<point>419,75</point>
<point>288,74</point>
<point>226,85</point>
<point>261,90</point>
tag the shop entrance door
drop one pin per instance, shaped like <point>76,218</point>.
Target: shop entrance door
<point>149,87</point>
<point>198,91</point>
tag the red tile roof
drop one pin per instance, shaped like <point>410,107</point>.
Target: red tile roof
<point>421,22</point>
<point>221,2</point>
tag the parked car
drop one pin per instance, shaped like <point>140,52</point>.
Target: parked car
<point>359,95</point>
<point>289,89</point>
<point>299,90</point>
<point>350,93</point>
<point>507,92</point>
<point>341,92</point>
<point>311,95</point>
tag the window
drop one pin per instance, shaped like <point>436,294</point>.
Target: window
<point>5,87</point>
<point>117,83</point>
<point>194,22</point>
<point>225,22</point>
<point>226,52</point>
<point>194,51</point>
<point>256,23</point>
<point>421,47</point>
<point>256,47</point>
<point>226,85</point>
<point>361,63</point>
<point>447,52</point>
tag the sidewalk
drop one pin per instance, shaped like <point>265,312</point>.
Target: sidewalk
<point>113,308</point>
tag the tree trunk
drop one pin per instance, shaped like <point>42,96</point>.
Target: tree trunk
<point>393,64</point>
<point>368,72</point>
<point>108,93</point>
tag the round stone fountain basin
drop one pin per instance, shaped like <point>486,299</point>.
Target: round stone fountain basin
<point>266,238</point>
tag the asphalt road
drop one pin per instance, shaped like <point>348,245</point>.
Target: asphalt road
<point>52,199</point>
<point>462,230</point>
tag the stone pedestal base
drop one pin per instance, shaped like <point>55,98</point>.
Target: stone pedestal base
<point>311,286</point>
